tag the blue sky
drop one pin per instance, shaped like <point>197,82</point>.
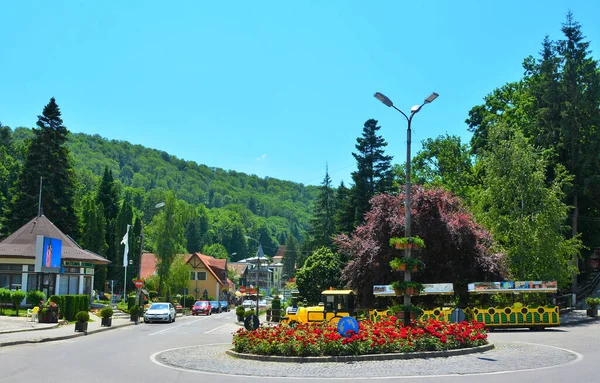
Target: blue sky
<point>273,88</point>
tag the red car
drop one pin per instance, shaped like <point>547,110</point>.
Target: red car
<point>201,307</point>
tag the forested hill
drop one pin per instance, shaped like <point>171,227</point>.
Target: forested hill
<point>146,169</point>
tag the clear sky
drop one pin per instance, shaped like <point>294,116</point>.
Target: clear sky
<point>273,88</point>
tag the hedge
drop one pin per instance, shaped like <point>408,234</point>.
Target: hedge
<point>70,305</point>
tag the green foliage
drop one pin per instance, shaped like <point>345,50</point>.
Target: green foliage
<point>524,213</point>
<point>47,156</point>
<point>397,309</point>
<point>70,305</point>
<point>82,316</point>
<point>135,310</point>
<point>592,302</point>
<point>276,304</point>
<point>106,312</point>
<point>410,263</point>
<point>404,242</point>
<point>403,286</point>
<point>16,297</point>
<point>374,170</point>
<point>179,275</point>
<point>445,162</point>
<point>248,313</point>
<point>34,297</point>
<point>322,223</point>
<point>240,311</point>
<point>321,271</point>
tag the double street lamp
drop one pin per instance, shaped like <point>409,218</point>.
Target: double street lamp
<point>407,204</point>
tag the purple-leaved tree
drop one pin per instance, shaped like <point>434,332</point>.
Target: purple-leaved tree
<point>458,250</point>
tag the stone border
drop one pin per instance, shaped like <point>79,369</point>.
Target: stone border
<point>359,358</point>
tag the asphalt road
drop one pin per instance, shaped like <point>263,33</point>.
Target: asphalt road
<point>129,355</point>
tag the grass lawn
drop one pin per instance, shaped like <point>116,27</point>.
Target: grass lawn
<point>12,313</point>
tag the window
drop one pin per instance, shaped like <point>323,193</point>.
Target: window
<point>197,275</point>
<point>11,267</point>
<point>69,284</point>
<point>10,281</point>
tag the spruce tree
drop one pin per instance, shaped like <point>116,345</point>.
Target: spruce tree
<point>322,225</point>
<point>290,257</point>
<point>47,157</point>
<point>346,209</point>
<point>374,169</point>
<point>93,228</point>
<point>108,197</point>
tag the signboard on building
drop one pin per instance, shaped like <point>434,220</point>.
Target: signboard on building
<point>517,287</point>
<point>430,289</point>
<point>77,264</point>
<point>48,254</point>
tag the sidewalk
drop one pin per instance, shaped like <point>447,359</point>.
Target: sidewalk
<point>14,331</point>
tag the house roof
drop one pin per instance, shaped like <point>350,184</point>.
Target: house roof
<point>280,252</point>
<point>22,243</point>
<point>148,267</point>
<point>238,268</point>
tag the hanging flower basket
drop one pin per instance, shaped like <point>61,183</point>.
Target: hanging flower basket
<point>410,288</point>
<point>404,263</point>
<point>407,243</point>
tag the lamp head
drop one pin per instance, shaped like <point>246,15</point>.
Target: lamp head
<point>382,97</point>
<point>432,97</point>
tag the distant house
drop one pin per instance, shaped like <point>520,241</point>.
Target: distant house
<point>18,257</point>
<point>208,275</point>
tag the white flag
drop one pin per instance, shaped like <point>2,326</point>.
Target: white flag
<point>125,242</point>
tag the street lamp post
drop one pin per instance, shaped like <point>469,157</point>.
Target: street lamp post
<point>407,218</point>
<point>257,270</point>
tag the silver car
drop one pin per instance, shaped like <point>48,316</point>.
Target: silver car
<point>160,312</point>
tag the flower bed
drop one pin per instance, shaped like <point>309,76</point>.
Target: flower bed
<point>389,336</point>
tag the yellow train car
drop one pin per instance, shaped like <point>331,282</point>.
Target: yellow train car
<point>335,304</point>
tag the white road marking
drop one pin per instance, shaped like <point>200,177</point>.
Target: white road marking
<point>172,327</point>
<point>214,329</point>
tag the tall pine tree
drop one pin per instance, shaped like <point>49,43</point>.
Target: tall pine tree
<point>48,157</point>
<point>374,170</point>
<point>107,195</point>
<point>93,230</point>
<point>322,225</point>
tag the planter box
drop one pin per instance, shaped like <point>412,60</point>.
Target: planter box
<point>592,312</point>
<point>48,315</point>
<point>81,327</point>
<point>107,322</point>
<point>134,318</point>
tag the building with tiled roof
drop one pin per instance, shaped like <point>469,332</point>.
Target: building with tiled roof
<point>208,275</point>
<point>18,258</point>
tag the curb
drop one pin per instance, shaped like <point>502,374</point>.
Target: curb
<point>359,358</point>
<point>63,337</point>
<point>30,329</point>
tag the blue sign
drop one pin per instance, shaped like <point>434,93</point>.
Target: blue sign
<point>347,326</point>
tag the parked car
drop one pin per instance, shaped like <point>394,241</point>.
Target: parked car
<point>216,307</point>
<point>262,304</point>
<point>160,312</point>
<point>249,304</point>
<point>201,307</point>
<point>224,306</point>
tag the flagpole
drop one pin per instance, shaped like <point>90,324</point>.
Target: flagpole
<point>125,285</point>
<point>125,242</point>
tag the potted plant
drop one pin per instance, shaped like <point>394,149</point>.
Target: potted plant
<point>593,303</point>
<point>239,312</point>
<point>404,263</point>
<point>134,313</point>
<point>106,313</point>
<point>407,243</point>
<point>82,318</point>
<point>410,288</point>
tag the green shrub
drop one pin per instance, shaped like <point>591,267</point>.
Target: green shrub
<point>189,301</point>
<point>106,312</point>
<point>16,297</point>
<point>34,297</point>
<point>248,313</point>
<point>4,298</point>
<point>153,294</point>
<point>240,311</point>
<point>276,304</point>
<point>592,302</point>
<point>82,316</point>
<point>135,310</point>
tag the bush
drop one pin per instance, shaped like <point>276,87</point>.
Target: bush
<point>248,313</point>
<point>4,298</point>
<point>592,302</point>
<point>82,316</point>
<point>152,294</point>
<point>135,310</point>
<point>189,301</point>
<point>240,311</point>
<point>34,297</point>
<point>16,297</point>
<point>106,312</point>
